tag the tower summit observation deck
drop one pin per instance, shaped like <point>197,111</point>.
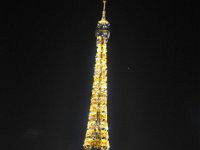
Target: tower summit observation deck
<point>97,137</point>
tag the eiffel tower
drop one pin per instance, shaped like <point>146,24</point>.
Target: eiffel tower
<point>97,137</point>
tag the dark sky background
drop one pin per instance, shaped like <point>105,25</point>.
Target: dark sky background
<point>47,54</point>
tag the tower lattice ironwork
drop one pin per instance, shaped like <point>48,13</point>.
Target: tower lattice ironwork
<point>97,137</point>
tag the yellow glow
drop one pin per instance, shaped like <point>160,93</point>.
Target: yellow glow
<point>97,127</point>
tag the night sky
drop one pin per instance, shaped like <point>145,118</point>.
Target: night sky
<point>47,54</point>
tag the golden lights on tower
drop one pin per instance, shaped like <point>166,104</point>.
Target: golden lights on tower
<point>97,128</point>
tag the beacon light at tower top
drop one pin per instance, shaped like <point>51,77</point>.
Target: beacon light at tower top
<point>97,137</point>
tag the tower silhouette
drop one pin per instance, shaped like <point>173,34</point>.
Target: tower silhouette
<point>97,137</point>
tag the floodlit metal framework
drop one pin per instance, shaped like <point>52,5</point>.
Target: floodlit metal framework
<point>97,137</point>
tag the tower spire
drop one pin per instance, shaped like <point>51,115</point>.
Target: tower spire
<point>104,10</point>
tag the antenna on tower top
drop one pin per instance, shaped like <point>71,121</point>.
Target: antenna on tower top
<point>104,10</point>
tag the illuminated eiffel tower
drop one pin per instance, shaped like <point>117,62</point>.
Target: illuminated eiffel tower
<point>97,128</point>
